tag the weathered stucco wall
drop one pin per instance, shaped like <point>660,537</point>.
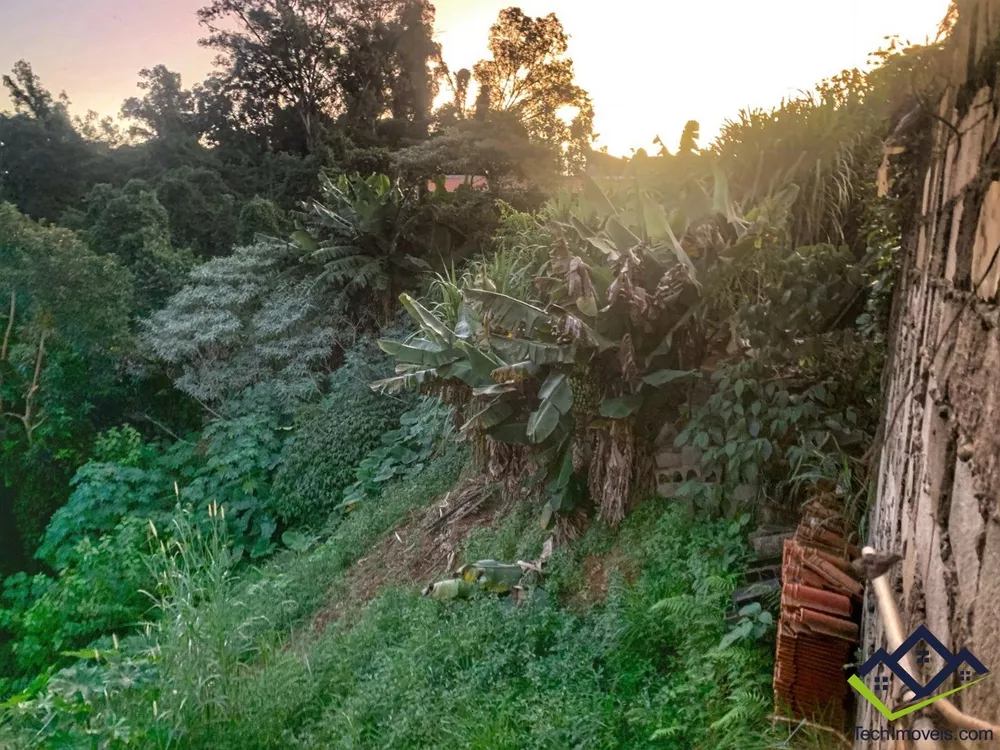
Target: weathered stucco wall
<point>939,472</point>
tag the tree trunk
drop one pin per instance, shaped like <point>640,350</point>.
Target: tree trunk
<point>939,471</point>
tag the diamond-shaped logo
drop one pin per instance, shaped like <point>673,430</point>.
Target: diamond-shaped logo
<point>928,643</point>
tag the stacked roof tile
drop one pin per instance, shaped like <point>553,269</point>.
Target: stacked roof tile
<point>818,629</point>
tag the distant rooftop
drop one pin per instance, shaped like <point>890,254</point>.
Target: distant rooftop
<point>453,182</point>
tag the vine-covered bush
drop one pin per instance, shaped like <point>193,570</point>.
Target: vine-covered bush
<point>404,453</point>
<point>756,429</point>
<point>331,438</point>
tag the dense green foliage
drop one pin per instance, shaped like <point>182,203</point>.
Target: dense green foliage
<point>97,593</point>
<point>625,672</point>
<point>199,439</point>
<point>64,320</point>
<point>332,438</point>
<point>404,453</point>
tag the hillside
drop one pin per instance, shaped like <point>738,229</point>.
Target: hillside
<point>299,452</point>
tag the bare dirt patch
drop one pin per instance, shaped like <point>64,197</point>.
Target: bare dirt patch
<point>598,571</point>
<point>420,549</point>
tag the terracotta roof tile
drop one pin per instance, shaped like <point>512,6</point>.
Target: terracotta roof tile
<point>817,631</point>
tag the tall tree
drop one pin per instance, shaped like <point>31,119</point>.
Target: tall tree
<point>30,97</point>
<point>277,55</point>
<point>415,84</point>
<point>531,76</point>
<point>64,319</point>
<point>388,64</point>
<point>165,111</point>
<point>497,148</point>
<point>202,211</point>
<point>43,160</point>
<point>96,129</point>
<point>132,224</point>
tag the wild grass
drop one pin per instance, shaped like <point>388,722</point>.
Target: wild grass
<point>640,666</point>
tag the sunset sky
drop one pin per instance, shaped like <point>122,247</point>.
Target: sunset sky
<point>649,65</point>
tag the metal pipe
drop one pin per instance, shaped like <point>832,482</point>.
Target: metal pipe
<point>893,623</point>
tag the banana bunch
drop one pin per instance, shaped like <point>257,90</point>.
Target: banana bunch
<point>586,397</point>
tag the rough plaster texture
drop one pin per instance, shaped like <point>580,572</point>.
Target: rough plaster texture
<point>939,472</point>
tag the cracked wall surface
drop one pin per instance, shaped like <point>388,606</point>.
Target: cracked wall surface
<point>939,472</point>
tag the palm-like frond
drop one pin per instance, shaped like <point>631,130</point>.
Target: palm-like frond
<point>508,313</point>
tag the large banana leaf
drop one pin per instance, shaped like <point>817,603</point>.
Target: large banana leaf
<point>662,377</point>
<point>332,219</point>
<point>462,370</point>
<point>535,352</point>
<point>433,328</point>
<point>622,237</point>
<point>482,363</point>
<point>407,261</point>
<point>582,229</point>
<point>599,242</point>
<point>407,381</point>
<point>597,198</point>
<point>654,218</point>
<point>493,415</point>
<point>678,251</point>
<point>558,488</point>
<point>420,352</point>
<point>556,399</point>
<point>621,407</point>
<point>507,312</point>
<point>604,246</point>
<point>721,202</point>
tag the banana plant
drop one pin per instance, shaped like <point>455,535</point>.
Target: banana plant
<point>617,330</point>
<point>363,235</point>
<point>477,361</point>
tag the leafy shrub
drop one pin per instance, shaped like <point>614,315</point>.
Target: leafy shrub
<point>260,216</point>
<point>756,428</point>
<point>240,458</point>
<point>98,593</point>
<point>104,494</point>
<point>404,453</point>
<point>232,465</point>
<point>121,445</point>
<point>331,439</point>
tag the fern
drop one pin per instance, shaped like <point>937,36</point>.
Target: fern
<point>750,705</point>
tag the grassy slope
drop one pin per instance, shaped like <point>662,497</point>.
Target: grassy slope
<point>598,664</point>
<point>416,673</point>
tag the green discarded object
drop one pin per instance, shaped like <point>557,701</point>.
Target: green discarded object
<point>492,576</point>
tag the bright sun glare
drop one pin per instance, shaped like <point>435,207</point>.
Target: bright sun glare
<point>651,67</point>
